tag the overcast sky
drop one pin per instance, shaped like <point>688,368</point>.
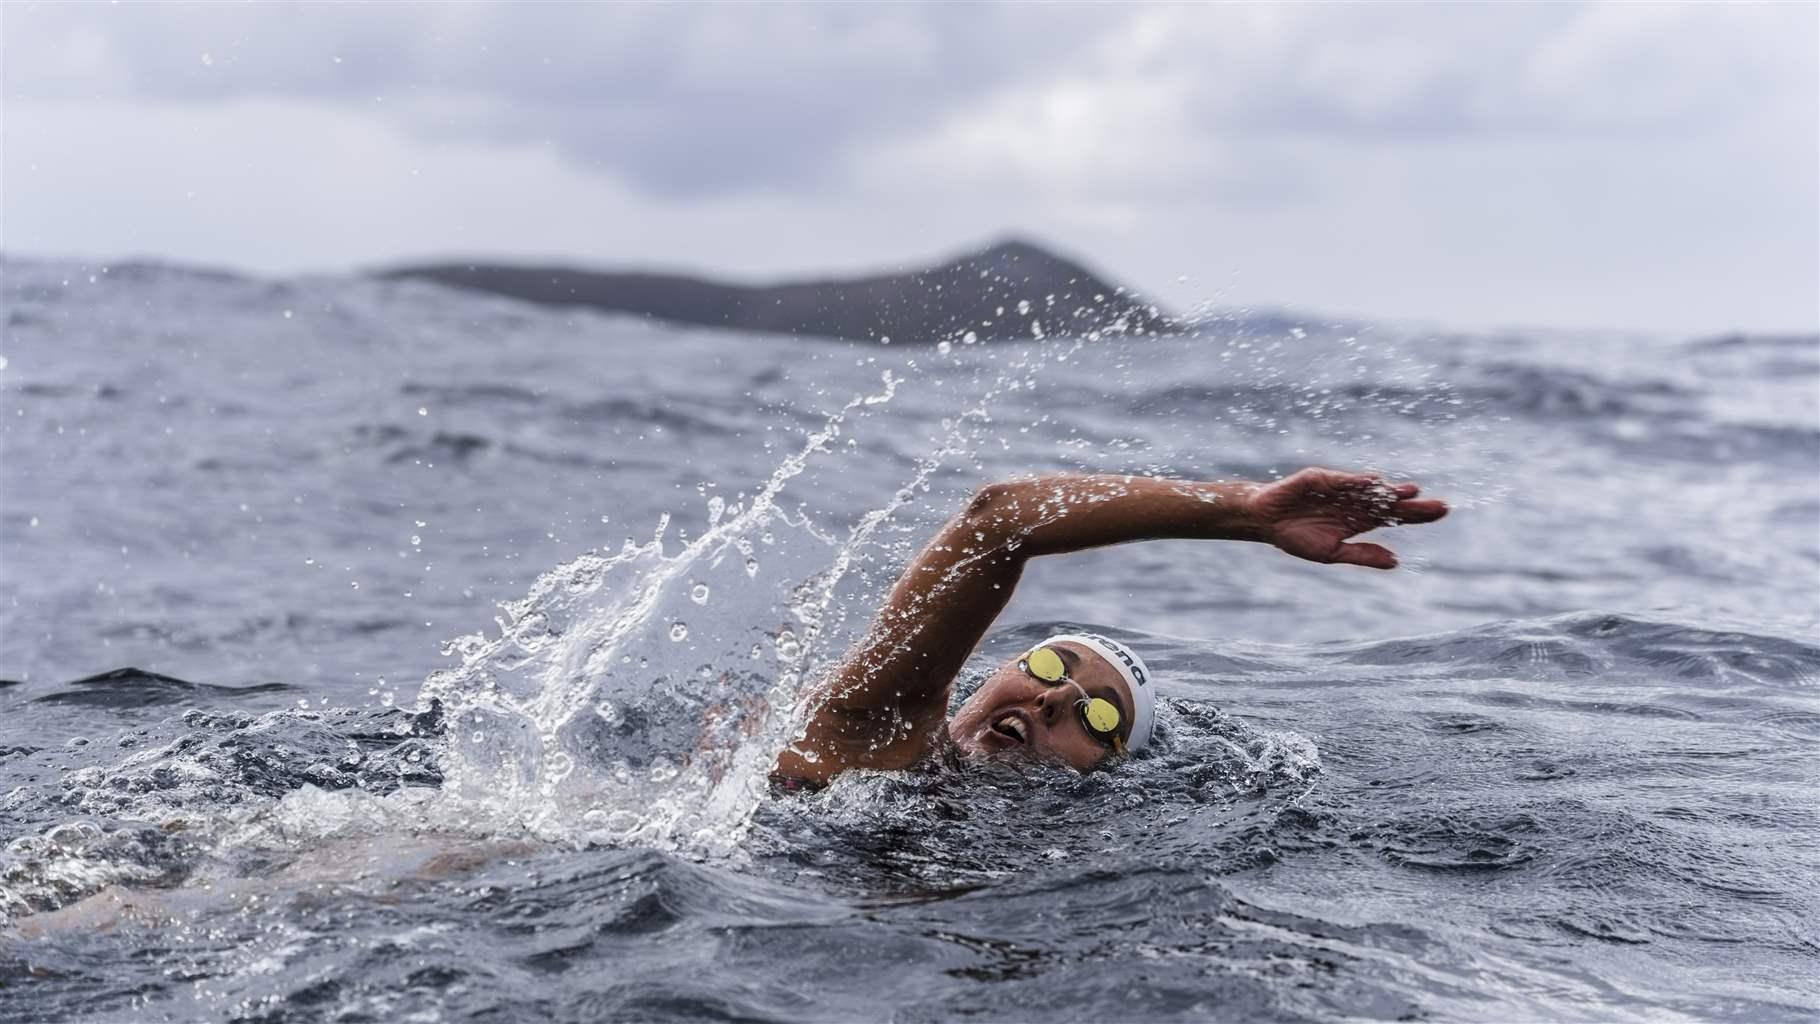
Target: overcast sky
<point>1625,165</point>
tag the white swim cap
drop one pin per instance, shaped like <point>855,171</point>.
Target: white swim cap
<point>1137,678</point>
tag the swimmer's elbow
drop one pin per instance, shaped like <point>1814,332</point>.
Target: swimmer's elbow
<point>992,501</point>
<point>985,499</point>
<point>995,513</point>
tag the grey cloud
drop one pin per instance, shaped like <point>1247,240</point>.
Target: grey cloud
<point>691,100</point>
<point>1393,72</point>
<point>679,99</point>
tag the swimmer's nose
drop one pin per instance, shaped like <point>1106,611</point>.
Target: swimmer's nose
<point>1050,704</point>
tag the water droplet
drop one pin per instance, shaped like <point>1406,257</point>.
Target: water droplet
<point>944,347</point>
<point>416,541</point>
<point>354,583</point>
<point>679,631</point>
<point>700,594</point>
<point>751,563</point>
<point>34,520</point>
<point>423,410</point>
<point>970,338</point>
<point>788,649</point>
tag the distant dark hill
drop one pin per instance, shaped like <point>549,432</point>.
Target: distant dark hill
<point>1011,290</point>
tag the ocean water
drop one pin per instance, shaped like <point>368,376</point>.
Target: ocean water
<point>374,651</point>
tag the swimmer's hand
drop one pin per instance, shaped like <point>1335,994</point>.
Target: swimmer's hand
<point>1312,514</point>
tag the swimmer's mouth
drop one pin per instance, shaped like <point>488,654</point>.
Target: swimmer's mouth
<point>1014,726</point>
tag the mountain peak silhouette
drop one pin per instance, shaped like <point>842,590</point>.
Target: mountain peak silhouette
<point>1011,289</point>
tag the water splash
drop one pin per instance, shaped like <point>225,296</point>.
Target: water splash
<point>574,724</point>
<point>530,742</point>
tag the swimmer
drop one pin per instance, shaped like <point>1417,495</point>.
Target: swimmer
<point>1082,700</point>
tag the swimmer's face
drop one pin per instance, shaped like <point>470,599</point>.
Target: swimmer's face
<point>1014,714</point>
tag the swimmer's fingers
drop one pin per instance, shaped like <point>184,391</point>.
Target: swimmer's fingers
<point>1427,510</point>
<point>1397,504</point>
<point>1372,556</point>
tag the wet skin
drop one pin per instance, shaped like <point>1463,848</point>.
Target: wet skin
<point>885,705</point>
<point>1013,714</point>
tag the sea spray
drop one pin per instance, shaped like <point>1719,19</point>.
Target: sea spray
<point>527,734</point>
<point>611,708</point>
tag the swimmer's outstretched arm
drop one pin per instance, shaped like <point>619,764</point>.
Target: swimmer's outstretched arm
<point>888,701</point>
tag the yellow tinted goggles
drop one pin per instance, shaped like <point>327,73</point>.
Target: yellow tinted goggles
<point>1099,715</point>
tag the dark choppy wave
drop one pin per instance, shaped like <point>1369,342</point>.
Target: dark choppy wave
<point>1237,872</point>
<point>1561,769</point>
